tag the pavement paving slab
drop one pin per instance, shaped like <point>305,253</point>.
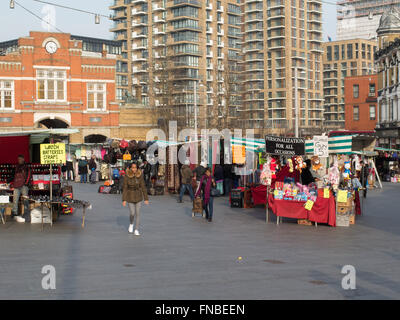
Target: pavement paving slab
<point>237,256</point>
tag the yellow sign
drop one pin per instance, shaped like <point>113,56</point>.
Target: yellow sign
<point>326,193</point>
<point>309,204</point>
<point>53,153</point>
<point>239,154</point>
<point>342,196</point>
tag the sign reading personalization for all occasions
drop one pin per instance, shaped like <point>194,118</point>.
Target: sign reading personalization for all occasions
<point>321,147</point>
<point>285,146</point>
<point>53,153</point>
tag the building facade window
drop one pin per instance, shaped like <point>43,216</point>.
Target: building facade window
<point>96,96</point>
<point>356,90</point>
<point>356,113</point>
<point>51,85</point>
<point>372,112</point>
<point>372,90</point>
<point>6,95</point>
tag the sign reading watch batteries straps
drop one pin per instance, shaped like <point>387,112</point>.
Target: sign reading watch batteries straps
<point>285,146</point>
<point>53,153</point>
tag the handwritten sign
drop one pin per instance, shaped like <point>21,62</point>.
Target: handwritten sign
<point>309,204</point>
<point>239,154</point>
<point>284,146</point>
<point>321,148</point>
<point>342,196</point>
<point>52,153</point>
<point>326,193</point>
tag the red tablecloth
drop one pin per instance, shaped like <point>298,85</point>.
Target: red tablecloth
<point>259,194</point>
<point>323,210</point>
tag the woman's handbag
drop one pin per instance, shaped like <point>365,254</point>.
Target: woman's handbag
<point>123,144</point>
<point>214,192</point>
<point>127,156</point>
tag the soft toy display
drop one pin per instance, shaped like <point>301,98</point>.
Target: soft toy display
<point>290,164</point>
<point>266,174</point>
<point>346,170</point>
<point>273,167</point>
<point>334,175</point>
<point>316,164</point>
<point>300,164</point>
<point>357,163</point>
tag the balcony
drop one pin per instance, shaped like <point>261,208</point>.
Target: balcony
<point>139,11</point>
<point>136,35</point>
<point>157,7</point>
<point>119,26</point>
<point>117,4</point>
<point>180,3</point>
<point>159,19</point>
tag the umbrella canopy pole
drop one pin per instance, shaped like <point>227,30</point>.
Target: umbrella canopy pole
<point>377,174</point>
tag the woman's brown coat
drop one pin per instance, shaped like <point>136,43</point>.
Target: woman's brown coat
<point>134,188</point>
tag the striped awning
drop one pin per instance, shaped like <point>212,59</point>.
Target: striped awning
<point>339,144</point>
<point>256,145</point>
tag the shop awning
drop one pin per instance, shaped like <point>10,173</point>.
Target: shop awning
<point>47,132</point>
<point>37,136</point>
<point>256,145</point>
<point>339,144</point>
<point>386,149</point>
<point>165,144</point>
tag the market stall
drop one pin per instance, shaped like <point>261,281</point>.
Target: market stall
<point>331,198</point>
<point>45,185</point>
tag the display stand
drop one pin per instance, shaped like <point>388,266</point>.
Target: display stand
<point>267,207</point>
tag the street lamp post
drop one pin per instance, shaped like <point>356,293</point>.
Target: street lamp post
<point>296,104</point>
<point>195,109</point>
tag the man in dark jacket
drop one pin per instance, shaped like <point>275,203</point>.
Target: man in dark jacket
<point>228,179</point>
<point>199,171</point>
<point>20,183</point>
<point>364,177</point>
<point>306,175</point>
<point>146,172</point>
<point>83,169</point>
<point>187,176</point>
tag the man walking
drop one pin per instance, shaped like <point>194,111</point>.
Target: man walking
<point>364,177</point>
<point>187,177</point>
<point>20,183</point>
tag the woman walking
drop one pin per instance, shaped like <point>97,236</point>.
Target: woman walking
<point>134,191</point>
<point>207,182</point>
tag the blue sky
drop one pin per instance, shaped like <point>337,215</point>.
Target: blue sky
<point>16,23</point>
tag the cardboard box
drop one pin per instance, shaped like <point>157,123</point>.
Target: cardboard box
<point>343,209</point>
<point>342,219</point>
<point>36,215</point>
<point>304,222</point>
<point>8,211</point>
<point>352,219</point>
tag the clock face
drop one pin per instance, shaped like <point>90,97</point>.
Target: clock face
<point>51,47</point>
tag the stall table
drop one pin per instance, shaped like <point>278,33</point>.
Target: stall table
<point>323,210</point>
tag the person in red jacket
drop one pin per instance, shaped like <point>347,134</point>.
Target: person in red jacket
<point>20,183</point>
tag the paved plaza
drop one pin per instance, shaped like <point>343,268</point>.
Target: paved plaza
<point>180,257</point>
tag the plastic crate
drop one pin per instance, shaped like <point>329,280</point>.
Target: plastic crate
<point>236,194</point>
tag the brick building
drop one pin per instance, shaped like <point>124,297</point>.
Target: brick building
<point>59,80</point>
<point>361,102</point>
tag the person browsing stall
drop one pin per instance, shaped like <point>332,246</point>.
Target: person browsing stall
<point>21,181</point>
